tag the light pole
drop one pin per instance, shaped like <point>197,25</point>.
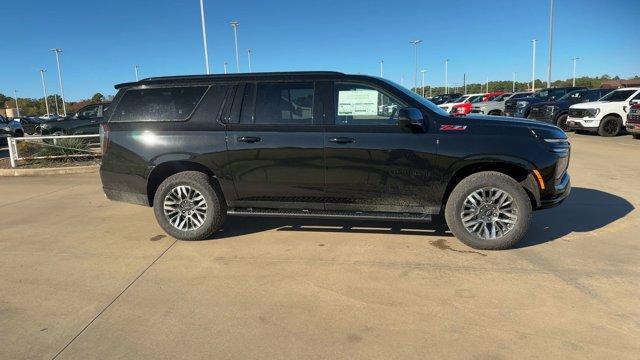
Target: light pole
<point>423,72</point>
<point>381,63</point>
<point>533,66</point>
<point>575,59</point>
<point>57,51</point>
<point>44,90</point>
<point>249,57</point>
<point>234,25</point>
<point>224,65</point>
<point>550,44</point>
<point>446,76</point>
<point>136,68</point>
<point>15,96</point>
<point>487,84</point>
<point>513,87</point>
<point>204,37</point>
<point>55,97</point>
<point>464,81</point>
<point>415,65</point>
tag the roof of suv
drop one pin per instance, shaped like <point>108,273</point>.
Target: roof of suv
<point>232,77</point>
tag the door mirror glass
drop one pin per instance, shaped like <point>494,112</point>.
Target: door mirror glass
<point>411,119</point>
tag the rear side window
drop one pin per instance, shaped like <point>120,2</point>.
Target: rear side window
<point>158,104</point>
<point>283,103</point>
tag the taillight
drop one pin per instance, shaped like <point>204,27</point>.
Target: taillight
<point>104,138</point>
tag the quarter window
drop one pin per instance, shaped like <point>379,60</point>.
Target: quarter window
<point>89,112</point>
<point>363,105</point>
<point>283,103</point>
<point>158,104</point>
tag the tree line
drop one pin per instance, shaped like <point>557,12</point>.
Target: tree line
<point>37,106</point>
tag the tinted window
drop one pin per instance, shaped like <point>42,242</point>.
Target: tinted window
<point>557,93</point>
<point>246,116</point>
<point>89,112</point>
<point>159,104</point>
<point>618,95</point>
<point>359,104</point>
<point>284,103</point>
<point>518,96</point>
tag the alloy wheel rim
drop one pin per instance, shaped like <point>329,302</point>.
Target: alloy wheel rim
<point>185,208</point>
<point>489,213</point>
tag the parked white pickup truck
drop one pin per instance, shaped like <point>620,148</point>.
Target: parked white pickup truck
<point>606,116</point>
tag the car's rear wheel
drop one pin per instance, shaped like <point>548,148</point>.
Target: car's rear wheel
<point>610,126</point>
<point>489,211</point>
<point>188,206</point>
<point>561,122</point>
<point>636,136</point>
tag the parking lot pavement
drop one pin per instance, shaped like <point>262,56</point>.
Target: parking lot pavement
<point>82,277</point>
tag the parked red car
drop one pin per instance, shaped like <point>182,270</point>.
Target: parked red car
<point>633,121</point>
<point>465,108</point>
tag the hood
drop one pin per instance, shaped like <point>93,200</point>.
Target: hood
<point>538,126</point>
<point>589,105</point>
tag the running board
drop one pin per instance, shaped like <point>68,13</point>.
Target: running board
<point>327,214</point>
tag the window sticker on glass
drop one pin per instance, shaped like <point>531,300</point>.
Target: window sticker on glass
<point>358,102</point>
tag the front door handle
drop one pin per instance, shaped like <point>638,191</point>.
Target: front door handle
<point>342,140</point>
<point>249,139</point>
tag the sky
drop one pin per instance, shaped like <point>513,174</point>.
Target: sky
<point>102,41</point>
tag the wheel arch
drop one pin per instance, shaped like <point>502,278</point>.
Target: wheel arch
<point>162,171</point>
<point>518,170</point>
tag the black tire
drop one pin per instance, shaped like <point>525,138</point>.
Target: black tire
<point>215,213</point>
<point>610,126</point>
<point>18,133</point>
<point>488,179</point>
<point>636,136</point>
<point>561,122</point>
<point>495,112</point>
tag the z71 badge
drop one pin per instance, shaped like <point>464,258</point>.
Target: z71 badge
<point>453,127</point>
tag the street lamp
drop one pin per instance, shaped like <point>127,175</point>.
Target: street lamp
<point>446,76</point>
<point>550,44</point>
<point>513,87</point>
<point>533,66</point>
<point>575,59</point>
<point>44,90</point>
<point>15,96</point>
<point>423,72</point>
<point>234,25</point>
<point>249,57</point>
<point>204,37</point>
<point>487,84</point>
<point>57,51</point>
<point>415,65</point>
<point>381,63</point>
<point>136,68</point>
<point>224,65</point>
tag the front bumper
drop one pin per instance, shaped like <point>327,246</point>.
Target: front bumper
<point>561,192</point>
<point>587,124</point>
<point>633,128</point>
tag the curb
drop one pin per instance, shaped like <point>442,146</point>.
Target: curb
<point>50,171</point>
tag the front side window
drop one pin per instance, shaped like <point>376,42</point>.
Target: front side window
<point>284,103</point>
<point>89,112</point>
<point>158,104</point>
<point>359,104</point>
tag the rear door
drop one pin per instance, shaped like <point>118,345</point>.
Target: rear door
<point>275,145</point>
<point>372,164</point>
<point>88,120</point>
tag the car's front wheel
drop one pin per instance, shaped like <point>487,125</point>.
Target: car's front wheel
<point>489,211</point>
<point>610,126</point>
<point>188,206</point>
<point>562,122</point>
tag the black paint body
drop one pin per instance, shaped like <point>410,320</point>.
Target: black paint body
<point>385,168</point>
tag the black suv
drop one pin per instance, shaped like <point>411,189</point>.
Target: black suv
<point>84,122</point>
<point>324,144</point>
<point>522,107</point>
<point>556,112</point>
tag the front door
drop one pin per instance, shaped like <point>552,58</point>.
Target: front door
<point>275,146</point>
<point>372,164</point>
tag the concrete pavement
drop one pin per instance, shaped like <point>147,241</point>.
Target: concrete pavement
<point>82,277</point>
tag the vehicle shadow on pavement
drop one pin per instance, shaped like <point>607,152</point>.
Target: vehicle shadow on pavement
<point>238,225</point>
<point>585,210</point>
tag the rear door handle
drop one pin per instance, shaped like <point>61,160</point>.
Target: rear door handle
<point>342,140</point>
<point>249,139</point>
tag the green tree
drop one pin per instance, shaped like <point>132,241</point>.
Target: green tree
<point>97,97</point>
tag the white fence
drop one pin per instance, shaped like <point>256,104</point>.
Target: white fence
<point>14,153</point>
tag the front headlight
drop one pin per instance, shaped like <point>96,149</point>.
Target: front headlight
<point>522,104</point>
<point>592,112</point>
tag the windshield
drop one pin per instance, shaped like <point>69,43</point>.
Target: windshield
<point>476,99</point>
<point>541,94</point>
<point>459,100</point>
<point>426,103</point>
<point>618,95</point>
<point>501,97</point>
<point>576,94</point>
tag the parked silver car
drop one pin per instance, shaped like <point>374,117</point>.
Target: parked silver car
<point>496,106</point>
<point>10,128</point>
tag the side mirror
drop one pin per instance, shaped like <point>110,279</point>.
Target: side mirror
<point>411,119</point>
